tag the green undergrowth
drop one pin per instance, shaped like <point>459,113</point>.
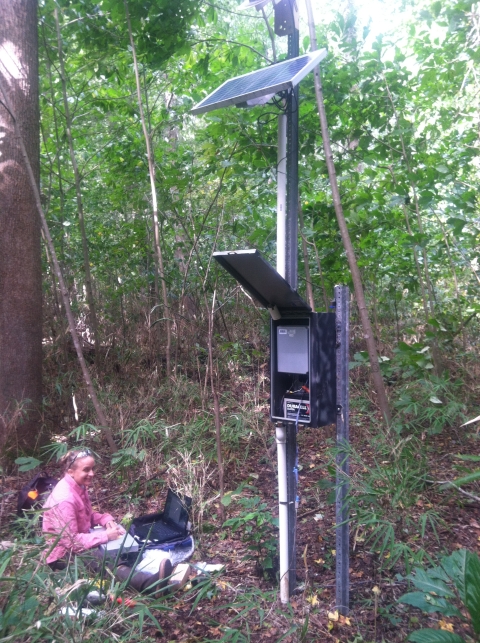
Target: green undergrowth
<point>37,604</point>
<point>450,589</point>
<point>388,512</point>
<point>172,442</point>
<point>256,527</point>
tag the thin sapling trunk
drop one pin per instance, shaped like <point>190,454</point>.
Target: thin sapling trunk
<point>151,171</point>
<point>78,191</point>
<point>352,261</point>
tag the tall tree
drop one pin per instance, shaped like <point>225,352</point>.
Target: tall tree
<point>20,253</point>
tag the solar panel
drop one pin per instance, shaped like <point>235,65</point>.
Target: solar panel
<point>270,80</point>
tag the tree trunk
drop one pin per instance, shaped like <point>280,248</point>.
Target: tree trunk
<point>352,261</point>
<point>20,246</point>
<point>5,101</point>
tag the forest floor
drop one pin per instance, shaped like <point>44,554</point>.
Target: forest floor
<point>242,603</point>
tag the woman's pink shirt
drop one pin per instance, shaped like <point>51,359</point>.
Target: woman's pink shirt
<point>69,518</point>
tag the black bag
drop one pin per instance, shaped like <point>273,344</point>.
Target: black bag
<point>34,494</point>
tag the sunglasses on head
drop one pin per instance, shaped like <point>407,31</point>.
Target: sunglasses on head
<point>81,454</point>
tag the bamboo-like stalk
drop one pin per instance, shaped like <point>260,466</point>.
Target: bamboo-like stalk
<point>308,279</point>
<point>78,192</point>
<point>352,261</point>
<point>216,404</point>
<point>153,188</point>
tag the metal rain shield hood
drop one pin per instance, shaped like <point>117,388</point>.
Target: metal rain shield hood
<point>262,282</point>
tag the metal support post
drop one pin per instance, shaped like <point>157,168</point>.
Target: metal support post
<point>281,439</point>
<point>292,489</point>
<point>342,460</point>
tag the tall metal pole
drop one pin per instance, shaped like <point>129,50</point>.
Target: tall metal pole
<point>291,242</point>
<point>342,460</point>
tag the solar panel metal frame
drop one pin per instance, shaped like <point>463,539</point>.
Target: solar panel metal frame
<point>271,86</point>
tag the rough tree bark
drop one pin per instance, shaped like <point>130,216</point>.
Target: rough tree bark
<point>28,169</point>
<point>352,261</point>
<point>20,245</point>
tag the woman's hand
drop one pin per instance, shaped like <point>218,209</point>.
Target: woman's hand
<point>112,523</point>
<point>114,531</point>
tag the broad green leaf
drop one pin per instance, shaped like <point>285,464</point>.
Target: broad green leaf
<point>430,604</point>
<point>429,583</point>
<point>454,565</point>
<point>472,589</point>
<point>471,477</point>
<point>434,636</point>
<point>27,464</point>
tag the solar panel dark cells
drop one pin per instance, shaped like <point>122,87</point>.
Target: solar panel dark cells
<point>269,80</point>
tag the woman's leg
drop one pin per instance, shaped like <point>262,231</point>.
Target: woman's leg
<point>95,561</point>
<point>58,565</point>
<point>144,581</point>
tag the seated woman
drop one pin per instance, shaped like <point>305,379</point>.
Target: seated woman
<point>69,517</point>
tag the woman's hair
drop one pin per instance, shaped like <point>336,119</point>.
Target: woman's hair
<point>69,459</point>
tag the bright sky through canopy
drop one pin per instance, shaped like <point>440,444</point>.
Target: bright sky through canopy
<point>380,16</point>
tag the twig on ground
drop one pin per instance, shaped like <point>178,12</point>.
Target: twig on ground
<point>452,484</point>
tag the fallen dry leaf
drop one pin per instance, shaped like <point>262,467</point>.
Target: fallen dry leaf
<point>344,620</point>
<point>445,625</point>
